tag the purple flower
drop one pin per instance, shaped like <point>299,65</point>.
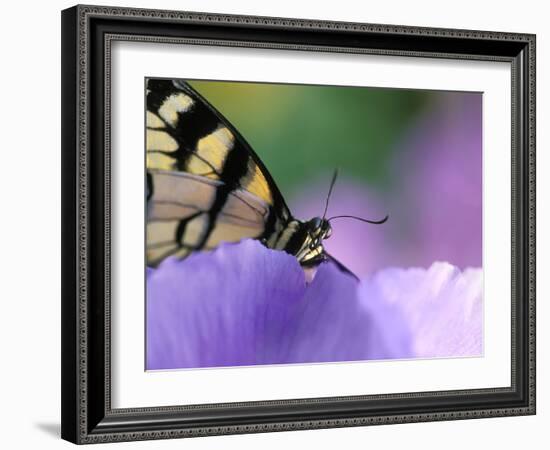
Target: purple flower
<point>243,304</point>
<point>443,306</point>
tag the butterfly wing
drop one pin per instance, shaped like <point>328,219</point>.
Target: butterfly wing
<point>205,184</point>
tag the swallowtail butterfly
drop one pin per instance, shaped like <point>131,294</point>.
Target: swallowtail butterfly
<point>206,185</point>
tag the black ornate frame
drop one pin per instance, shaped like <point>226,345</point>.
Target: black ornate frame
<point>87,33</point>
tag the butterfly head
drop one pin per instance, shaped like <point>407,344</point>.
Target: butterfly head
<point>319,229</point>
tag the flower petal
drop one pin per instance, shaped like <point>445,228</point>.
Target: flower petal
<point>336,326</point>
<point>443,306</point>
<point>244,304</point>
<point>223,308</point>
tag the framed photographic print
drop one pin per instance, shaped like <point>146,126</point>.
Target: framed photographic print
<point>281,224</point>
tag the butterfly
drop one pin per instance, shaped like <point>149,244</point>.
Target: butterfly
<point>206,185</point>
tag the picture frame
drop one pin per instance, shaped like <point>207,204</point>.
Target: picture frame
<point>88,367</point>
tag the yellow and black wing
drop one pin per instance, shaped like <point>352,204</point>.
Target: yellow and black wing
<point>205,184</point>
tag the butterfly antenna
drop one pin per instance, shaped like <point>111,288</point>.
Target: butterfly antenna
<point>334,176</point>
<point>374,222</point>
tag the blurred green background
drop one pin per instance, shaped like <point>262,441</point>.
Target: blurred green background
<point>301,131</point>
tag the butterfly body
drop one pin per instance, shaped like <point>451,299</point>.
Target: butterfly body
<point>205,184</point>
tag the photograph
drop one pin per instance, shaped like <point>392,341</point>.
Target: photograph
<point>275,222</point>
<point>302,224</point>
